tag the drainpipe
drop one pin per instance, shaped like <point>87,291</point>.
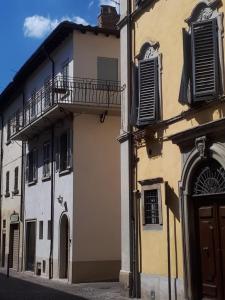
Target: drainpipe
<point>52,171</point>
<point>52,204</point>
<point>1,192</point>
<point>22,203</point>
<point>134,290</point>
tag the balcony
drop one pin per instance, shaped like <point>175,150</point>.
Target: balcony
<point>60,97</point>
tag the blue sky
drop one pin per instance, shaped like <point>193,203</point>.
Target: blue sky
<point>24,24</point>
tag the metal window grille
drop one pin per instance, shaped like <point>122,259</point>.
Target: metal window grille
<point>151,207</point>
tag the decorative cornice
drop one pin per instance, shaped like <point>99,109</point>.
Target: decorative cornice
<point>189,135</point>
<point>204,10</point>
<point>150,181</point>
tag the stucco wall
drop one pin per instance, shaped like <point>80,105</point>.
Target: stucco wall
<point>97,189</point>
<point>87,47</point>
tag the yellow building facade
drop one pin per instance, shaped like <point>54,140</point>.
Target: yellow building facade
<point>173,149</point>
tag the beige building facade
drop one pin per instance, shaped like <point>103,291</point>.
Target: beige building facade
<point>172,146</point>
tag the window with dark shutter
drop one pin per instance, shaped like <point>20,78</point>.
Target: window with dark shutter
<point>46,160</point>
<point>16,179</point>
<point>148,91</point>
<point>204,60</point>
<point>32,166</point>
<point>7,194</point>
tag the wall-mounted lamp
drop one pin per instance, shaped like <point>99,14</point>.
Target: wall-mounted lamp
<point>60,199</point>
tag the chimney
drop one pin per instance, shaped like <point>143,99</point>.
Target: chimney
<point>108,17</point>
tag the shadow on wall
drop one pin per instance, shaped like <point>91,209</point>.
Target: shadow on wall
<point>206,115</point>
<point>154,145</point>
<point>172,202</point>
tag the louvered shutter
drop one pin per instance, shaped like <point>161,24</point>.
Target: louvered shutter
<point>134,105</point>
<point>27,168</point>
<point>148,91</point>
<point>205,60</point>
<point>35,165</point>
<point>185,96</point>
<point>69,148</point>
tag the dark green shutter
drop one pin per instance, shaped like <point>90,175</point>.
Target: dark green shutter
<point>185,86</point>
<point>148,91</point>
<point>134,105</point>
<point>205,60</point>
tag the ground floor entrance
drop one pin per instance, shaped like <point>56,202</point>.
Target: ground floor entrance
<point>208,231</point>
<point>14,246</point>
<point>30,245</point>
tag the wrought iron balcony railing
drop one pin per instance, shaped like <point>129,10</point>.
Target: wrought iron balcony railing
<point>73,90</point>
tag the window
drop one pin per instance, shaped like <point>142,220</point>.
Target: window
<point>4,224</point>
<point>32,166</point>
<point>65,73</point>
<point>7,194</point>
<point>65,150</point>
<point>33,104</point>
<point>151,207</point>
<point>8,130</point>
<point>40,230</point>
<point>148,110</point>
<point>107,68</point>
<point>152,210</point>
<point>46,160</point>
<point>16,181</point>
<point>203,67</point>
<point>47,92</point>
<point>49,229</point>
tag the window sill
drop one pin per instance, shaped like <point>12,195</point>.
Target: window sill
<point>65,172</point>
<point>156,227</point>
<point>30,183</point>
<point>7,194</point>
<point>46,178</point>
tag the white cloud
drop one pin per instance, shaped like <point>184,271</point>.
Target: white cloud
<point>91,3</point>
<point>38,26</point>
<point>114,3</point>
<point>79,20</point>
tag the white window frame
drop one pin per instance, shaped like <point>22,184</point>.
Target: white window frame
<point>156,186</point>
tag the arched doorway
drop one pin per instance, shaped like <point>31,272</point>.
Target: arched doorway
<point>64,247</point>
<point>208,238</point>
<point>202,200</point>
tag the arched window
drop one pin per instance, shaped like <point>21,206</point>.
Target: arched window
<point>209,179</point>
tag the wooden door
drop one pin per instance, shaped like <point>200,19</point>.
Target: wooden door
<point>210,229</point>
<point>3,249</point>
<point>30,245</point>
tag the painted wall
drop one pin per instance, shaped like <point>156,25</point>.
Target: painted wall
<point>97,190</point>
<point>163,22</point>
<point>12,158</point>
<point>87,47</point>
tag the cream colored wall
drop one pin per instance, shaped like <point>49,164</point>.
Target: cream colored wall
<point>163,22</point>
<point>87,47</point>
<point>96,188</point>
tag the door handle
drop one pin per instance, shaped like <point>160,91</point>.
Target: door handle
<point>206,250</point>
